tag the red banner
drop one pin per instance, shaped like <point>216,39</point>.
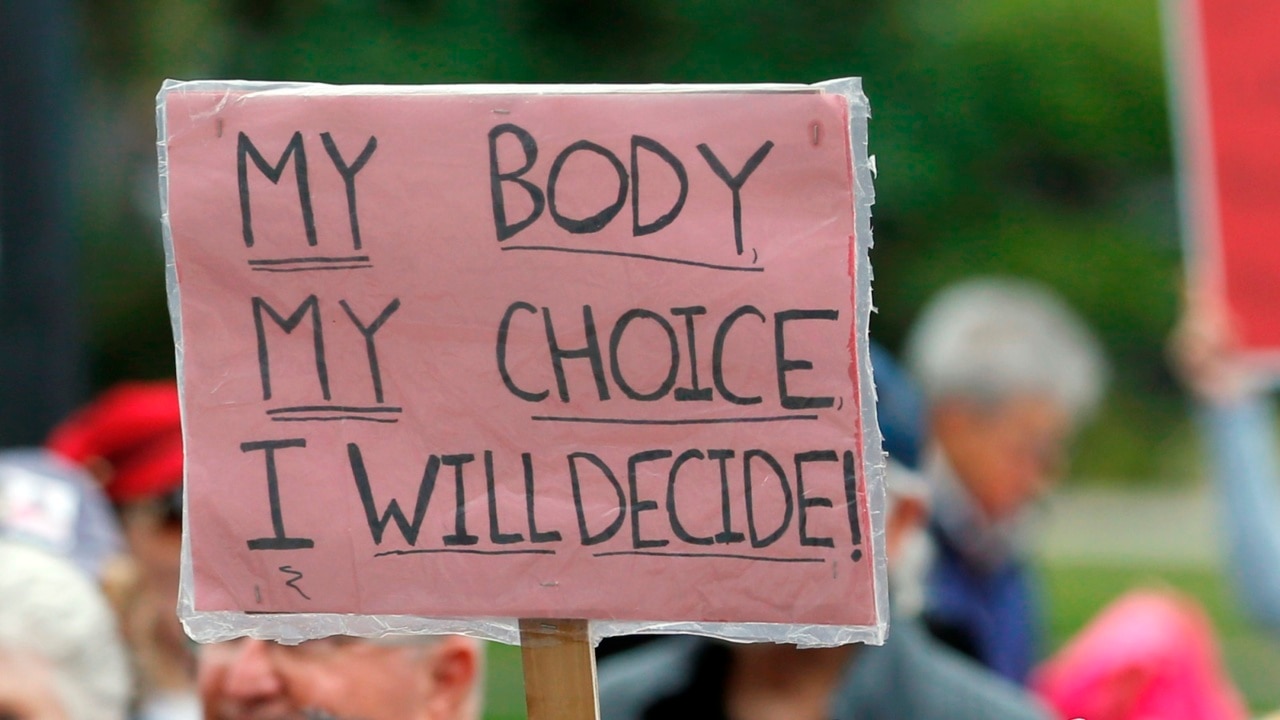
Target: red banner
<point>1229,69</point>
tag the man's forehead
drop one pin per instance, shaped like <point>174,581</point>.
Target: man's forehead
<point>1027,406</point>
<point>333,646</point>
<point>348,643</point>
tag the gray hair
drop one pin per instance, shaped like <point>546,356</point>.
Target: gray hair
<point>51,610</point>
<point>993,338</point>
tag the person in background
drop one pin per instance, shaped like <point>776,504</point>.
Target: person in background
<point>395,678</point>
<point>1237,419</point>
<point>1009,373</point>
<point>56,505</point>
<point>60,655</point>
<point>910,676</point>
<point>130,439</point>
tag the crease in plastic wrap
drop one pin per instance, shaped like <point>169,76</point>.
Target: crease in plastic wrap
<point>450,356</point>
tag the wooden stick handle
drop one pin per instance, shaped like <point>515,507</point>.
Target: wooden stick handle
<point>559,670</point>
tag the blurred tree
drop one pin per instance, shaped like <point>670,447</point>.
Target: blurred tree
<point>1012,136</point>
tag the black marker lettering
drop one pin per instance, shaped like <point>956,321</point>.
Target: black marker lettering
<point>653,146</point>
<point>378,521</point>
<point>784,365</point>
<point>676,526</point>
<point>756,540</point>
<point>534,535</point>
<point>591,352</point>
<point>735,182</point>
<point>728,535</point>
<point>504,329</point>
<point>311,304</point>
<point>593,223</point>
<point>496,178</point>
<point>717,355</point>
<point>280,540</point>
<point>294,577</point>
<point>583,532</point>
<point>368,332</point>
<point>637,505</point>
<point>460,536</point>
<point>348,173</point>
<point>806,502</point>
<point>615,340</point>
<point>851,502</point>
<point>694,392</point>
<point>245,150</point>
<point>496,536</point>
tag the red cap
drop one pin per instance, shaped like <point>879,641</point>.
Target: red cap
<point>136,428</point>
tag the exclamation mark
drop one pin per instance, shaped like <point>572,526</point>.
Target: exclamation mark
<point>851,496</point>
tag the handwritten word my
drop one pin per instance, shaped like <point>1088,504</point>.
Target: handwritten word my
<point>296,151</point>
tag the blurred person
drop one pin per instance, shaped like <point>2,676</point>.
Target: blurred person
<point>60,655</point>
<point>1009,373</point>
<point>1237,419</point>
<point>910,676</point>
<point>130,439</point>
<point>56,505</point>
<point>396,678</point>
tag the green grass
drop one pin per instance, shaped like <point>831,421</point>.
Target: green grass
<point>1074,594</point>
<point>504,693</point>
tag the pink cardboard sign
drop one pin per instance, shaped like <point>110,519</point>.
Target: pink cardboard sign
<point>493,354</point>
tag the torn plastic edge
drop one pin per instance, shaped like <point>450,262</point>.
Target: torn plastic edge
<point>293,628</point>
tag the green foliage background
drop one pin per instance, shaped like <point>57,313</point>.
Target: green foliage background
<point>1025,137</point>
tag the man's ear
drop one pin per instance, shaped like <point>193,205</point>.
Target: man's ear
<point>907,514</point>
<point>455,668</point>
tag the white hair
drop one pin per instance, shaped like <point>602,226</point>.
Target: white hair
<point>51,610</point>
<point>994,338</point>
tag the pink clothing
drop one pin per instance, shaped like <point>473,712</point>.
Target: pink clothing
<point>1148,656</point>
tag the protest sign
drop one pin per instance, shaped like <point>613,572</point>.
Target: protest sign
<point>476,353</point>
<point>1227,69</point>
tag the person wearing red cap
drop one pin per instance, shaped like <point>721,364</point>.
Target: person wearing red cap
<point>130,438</point>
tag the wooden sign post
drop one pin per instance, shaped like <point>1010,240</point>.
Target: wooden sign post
<point>464,353</point>
<point>559,670</point>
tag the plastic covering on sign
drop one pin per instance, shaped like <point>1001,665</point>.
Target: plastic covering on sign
<point>452,356</point>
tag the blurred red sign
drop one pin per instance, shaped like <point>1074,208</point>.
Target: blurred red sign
<point>1229,69</point>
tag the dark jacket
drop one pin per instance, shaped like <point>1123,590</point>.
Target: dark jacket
<point>910,677</point>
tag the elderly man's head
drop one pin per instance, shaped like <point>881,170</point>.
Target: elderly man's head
<point>434,678</point>
<point>60,655</point>
<point>1009,372</point>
